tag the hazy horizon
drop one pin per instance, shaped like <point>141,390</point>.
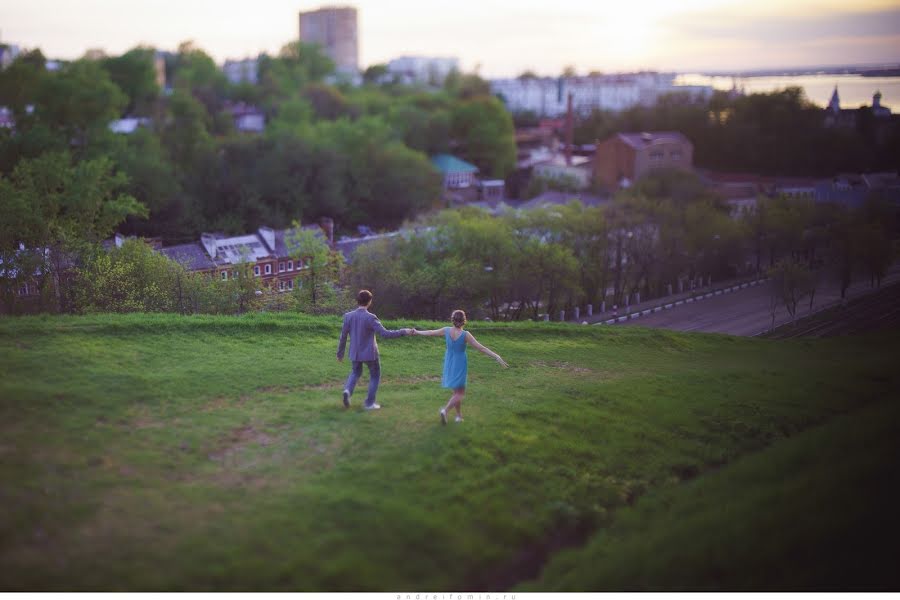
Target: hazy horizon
<point>694,36</point>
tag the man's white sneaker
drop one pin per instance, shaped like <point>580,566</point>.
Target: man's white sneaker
<point>443,417</point>
<point>346,396</point>
<point>372,407</point>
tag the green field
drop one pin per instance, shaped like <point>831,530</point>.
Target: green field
<point>146,452</point>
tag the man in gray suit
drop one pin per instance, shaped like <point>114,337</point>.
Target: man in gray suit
<point>361,326</point>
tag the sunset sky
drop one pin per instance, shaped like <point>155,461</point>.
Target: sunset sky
<point>504,37</point>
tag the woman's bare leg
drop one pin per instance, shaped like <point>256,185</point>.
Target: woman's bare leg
<point>459,395</point>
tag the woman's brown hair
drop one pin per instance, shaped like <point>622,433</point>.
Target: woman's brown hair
<point>459,318</point>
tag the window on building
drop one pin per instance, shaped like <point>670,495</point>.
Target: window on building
<point>224,275</point>
<point>290,265</point>
<point>234,274</point>
<point>656,155</point>
<point>280,286</point>
<point>281,267</point>
<point>23,289</point>
<point>290,284</point>
<point>268,269</point>
<point>675,154</point>
<point>256,270</point>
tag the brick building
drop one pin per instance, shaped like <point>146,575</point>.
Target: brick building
<point>267,251</point>
<point>334,29</point>
<point>625,157</point>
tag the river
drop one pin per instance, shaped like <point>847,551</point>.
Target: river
<point>854,90</point>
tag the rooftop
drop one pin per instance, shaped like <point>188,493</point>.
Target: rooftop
<point>447,163</point>
<point>641,140</point>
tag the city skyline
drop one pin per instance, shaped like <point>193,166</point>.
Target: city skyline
<point>692,36</point>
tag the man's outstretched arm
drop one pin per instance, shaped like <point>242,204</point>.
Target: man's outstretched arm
<point>387,333</point>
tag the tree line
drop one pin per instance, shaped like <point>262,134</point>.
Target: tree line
<point>356,154</point>
<point>666,229</point>
<point>777,133</point>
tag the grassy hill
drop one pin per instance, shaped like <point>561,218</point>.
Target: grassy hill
<point>145,452</point>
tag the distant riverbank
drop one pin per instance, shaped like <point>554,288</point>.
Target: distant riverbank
<point>854,90</point>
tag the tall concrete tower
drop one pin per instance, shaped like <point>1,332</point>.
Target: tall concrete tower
<point>334,29</point>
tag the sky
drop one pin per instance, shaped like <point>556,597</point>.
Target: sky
<point>498,37</point>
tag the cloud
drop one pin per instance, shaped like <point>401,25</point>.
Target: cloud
<point>784,29</point>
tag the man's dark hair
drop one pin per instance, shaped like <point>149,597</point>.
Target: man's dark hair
<point>363,297</point>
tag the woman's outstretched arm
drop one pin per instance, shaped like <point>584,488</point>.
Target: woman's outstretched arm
<point>482,348</point>
<point>432,332</point>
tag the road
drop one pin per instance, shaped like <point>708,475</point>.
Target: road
<point>874,312</point>
<point>746,311</point>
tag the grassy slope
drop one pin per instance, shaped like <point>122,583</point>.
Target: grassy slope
<point>159,452</point>
<point>815,512</point>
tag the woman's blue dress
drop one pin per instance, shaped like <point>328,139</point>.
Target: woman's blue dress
<point>456,365</point>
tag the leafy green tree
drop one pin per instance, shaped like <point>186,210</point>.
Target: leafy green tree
<point>151,180</point>
<point>466,85</point>
<point>484,130</point>
<point>585,231</point>
<point>285,76</point>
<point>292,119</point>
<point>328,102</point>
<point>57,211</point>
<point>424,129</point>
<point>79,101</point>
<point>196,73</point>
<point>135,74</point>
<point>320,270</point>
<point>21,82</point>
<point>185,135</point>
<point>375,74</point>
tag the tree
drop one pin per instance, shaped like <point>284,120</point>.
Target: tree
<point>876,253</point>
<point>285,76</point>
<point>196,73</point>
<point>466,86</point>
<point>151,180</point>
<point>135,74</point>
<point>585,232</point>
<point>485,132</point>
<point>185,134</point>
<point>79,102</point>
<point>57,211</point>
<point>20,84</point>
<point>791,280</point>
<point>328,102</point>
<point>320,271</point>
<point>375,74</point>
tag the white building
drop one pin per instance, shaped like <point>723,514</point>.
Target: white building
<point>422,69</point>
<point>579,170</point>
<point>242,71</point>
<point>8,53</point>
<point>128,125</point>
<point>548,96</point>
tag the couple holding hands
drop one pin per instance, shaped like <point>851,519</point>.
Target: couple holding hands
<point>362,326</point>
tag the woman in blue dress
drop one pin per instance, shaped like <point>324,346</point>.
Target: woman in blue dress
<point>456,364</point>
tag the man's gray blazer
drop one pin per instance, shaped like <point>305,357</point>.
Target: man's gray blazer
<point>361,326</point>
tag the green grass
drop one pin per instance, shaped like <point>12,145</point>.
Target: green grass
<point>815,512</point>
<point>148,452</point>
